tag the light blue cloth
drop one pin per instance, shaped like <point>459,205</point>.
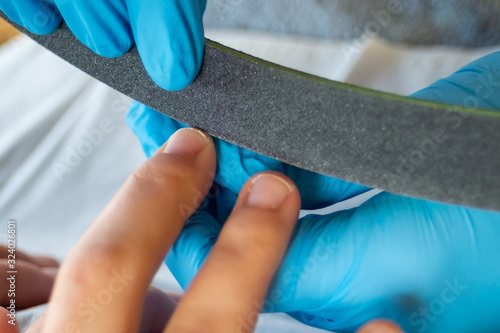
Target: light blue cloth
<point>431,267</point>
<point>168,33</point>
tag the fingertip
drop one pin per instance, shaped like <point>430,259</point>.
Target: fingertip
<point>265,213</point>
<point>107,46</point>
<point>110,38</point>
<point>40,28</point>
<point>107,52</point>
<point>41,20</point>
<point>263,219</point>
<point>380,326</point>
<point>271,190</point>
<point>186,163</point>
<point>187,141</point>
<point>171,43</point>
<point>8,322</point>
<point>173,72</point>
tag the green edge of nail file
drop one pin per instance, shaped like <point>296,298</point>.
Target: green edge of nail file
<point>398,144</point>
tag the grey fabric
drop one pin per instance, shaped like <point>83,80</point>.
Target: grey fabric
<point>453,22</point>
<point>397,144</point>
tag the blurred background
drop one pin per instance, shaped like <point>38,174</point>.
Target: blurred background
<point>424,22</point>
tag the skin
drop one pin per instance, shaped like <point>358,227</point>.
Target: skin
<point>34,281</point>
<point>6,31</point>
<point>134,232</point>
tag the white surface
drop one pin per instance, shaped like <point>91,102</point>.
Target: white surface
<point>370,63</point>
<point>55,180</point>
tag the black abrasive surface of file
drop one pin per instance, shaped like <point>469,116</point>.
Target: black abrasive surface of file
<point>416,148</point>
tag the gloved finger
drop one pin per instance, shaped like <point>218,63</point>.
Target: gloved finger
<point>233,281</point>
<point>150,126</point>
<point>236,165</point>
<point>38,16</point>
<point>103,26</point>
<point>8,322</point>
<point>170,38</point>
<point>388,258</point>
<point>117,258</point>
<point>192,247</point>
<point>474,85</point>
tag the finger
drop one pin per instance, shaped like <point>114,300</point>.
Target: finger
<point>228,292</point>
<point>158,308</point>
<point>42,261</point>
<point>8,324</point>
<point>45,261</point>
<point>31,286</point>
<point>380,326</point>
<point>102,282</point>
<point>170,39</point>
<point>38,16</point>
<point>103,26</point>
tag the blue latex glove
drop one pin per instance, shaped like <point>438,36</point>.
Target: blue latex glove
<point>168,33</point>
<point>430,267</point>
<point>38,16</point>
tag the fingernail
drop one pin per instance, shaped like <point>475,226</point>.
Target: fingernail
<point>268,191</point>
<point>186,141</point>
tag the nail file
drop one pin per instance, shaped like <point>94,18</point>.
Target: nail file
<point>406,146</point>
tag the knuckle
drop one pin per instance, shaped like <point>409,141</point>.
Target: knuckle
<point>258,231</point>
<point>95,263</point>
<point>257,243</point>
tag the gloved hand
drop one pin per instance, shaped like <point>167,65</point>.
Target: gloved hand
<point>430,267</point>
<point>168,33</point>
